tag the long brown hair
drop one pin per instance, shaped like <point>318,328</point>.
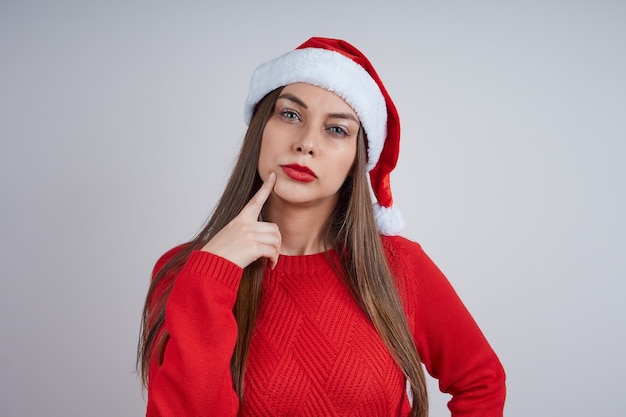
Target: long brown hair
<point>351,230</point>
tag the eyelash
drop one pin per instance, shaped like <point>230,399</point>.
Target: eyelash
<point>287,114</point>
<point>335,130</point>
<point>338,130</point>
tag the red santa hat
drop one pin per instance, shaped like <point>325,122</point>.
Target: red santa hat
<point>339,67</point>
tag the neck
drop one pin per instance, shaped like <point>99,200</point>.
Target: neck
<point>300,227</point>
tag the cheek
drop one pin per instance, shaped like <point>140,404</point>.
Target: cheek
<point>263,163</point>
<point>267,156</point>
<point>341,167</point>
<point>348,160</point>
<point>264,148</point>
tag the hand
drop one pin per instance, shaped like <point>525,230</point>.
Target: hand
<point>245,239</point>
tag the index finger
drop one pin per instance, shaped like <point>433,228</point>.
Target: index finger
<point>255,204</point>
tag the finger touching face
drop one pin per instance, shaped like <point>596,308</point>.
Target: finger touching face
<point>255,205</point>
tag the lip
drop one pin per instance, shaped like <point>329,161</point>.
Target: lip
<point>299,172</point>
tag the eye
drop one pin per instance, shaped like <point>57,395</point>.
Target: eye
<point>338,131</point>
<point>289,114</point>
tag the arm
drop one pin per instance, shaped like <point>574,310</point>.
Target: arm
<point>194,378</point>
<point>451,345</point>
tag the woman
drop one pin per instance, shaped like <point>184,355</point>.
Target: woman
<point>298,297</point>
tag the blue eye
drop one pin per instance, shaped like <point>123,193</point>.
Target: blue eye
<point>290,114</point>
<point>338,130</point>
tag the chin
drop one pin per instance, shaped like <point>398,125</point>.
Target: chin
<point>293,197</point>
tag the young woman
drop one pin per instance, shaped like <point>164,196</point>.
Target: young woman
<point>298,298</point>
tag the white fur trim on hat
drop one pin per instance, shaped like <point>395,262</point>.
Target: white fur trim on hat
<point>334,72</point>
<point>388,219</point>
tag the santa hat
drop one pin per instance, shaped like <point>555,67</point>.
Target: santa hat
<point>339,67</point>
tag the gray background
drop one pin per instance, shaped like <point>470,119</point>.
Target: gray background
<point>119,122</point>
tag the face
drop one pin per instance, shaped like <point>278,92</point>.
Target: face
<point>310,143</point>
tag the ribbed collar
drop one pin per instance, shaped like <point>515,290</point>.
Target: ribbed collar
<point>306,263</point>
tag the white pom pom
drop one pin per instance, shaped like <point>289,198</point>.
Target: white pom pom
<point>388,219</point>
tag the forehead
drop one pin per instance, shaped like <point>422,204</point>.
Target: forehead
<point>313,95</point>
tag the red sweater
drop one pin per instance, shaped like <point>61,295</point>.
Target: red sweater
<point>314,352</point>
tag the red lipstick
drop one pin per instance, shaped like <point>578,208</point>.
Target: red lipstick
<point>299,172</point>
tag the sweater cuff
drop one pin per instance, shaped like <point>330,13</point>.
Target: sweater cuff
<point>201,263</point>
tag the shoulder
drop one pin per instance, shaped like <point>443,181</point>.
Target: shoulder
<point>161,283</point>
<point>167,257</point>
<point>403,252</point>
<point>400,242</point>
<point>410,265</point>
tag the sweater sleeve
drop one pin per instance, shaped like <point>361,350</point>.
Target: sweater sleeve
<point>194,378</point>
<point>450,343</point>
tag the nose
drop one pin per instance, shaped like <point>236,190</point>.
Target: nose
<point>307,143</point>
<point>305,147</point>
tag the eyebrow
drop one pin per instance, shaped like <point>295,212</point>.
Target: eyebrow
<point>344,116</point>
<point>302,104</point>
<point>293,98</point>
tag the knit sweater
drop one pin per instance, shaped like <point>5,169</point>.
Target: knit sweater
<point>314,352</point>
